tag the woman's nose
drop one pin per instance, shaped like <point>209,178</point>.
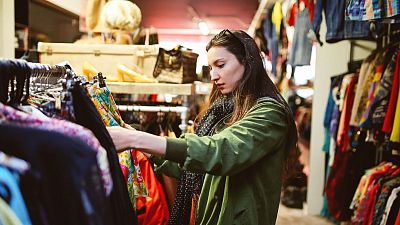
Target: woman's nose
<point>214,75</point>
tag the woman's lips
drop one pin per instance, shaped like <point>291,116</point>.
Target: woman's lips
<point>220,86</point>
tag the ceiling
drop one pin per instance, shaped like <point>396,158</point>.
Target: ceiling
<point>178,17</point>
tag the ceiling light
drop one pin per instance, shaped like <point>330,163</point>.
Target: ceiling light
<point>203,28</point>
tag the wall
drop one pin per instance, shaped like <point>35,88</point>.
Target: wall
<point>7,29</point>
<point>331,59</point>
<point>73,6</point>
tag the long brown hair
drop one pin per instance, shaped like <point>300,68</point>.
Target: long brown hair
<point>255,83</point>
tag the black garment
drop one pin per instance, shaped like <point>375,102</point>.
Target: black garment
<point>87,115</point>
<point>394,210</point>
<point>63,186</point>
<point>190,183</point>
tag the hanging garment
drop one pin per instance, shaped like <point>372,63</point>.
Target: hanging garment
<point>371,95</point>
<point>155,207</point>
<point>63,186</point>
<point>391,112</point>
<point>10,180</point>
<point>67,128</point>
<point>371,10</point>
<point>394,211</point>
<point>375,201</point>
<point>364,87</point>
<point>382,74</point>
<point>364,183</point>
<point>361,79</point>
<point>343,139</point>
<point>366,196</point>
<point>345,174</point>
<point>271,35</point>
<point>119,206</point>
<point>386,189</point>
<point>107,108</point>
<point>338,28</point>
<point>294,8</point>
<point>388,206</point>
<point>380,103</point>
<point>300,53</point>
<point>7,215</point>
<point>146,180</point>
<point>395,136</point>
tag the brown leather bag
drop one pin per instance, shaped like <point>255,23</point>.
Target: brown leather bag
<point>176,66</point>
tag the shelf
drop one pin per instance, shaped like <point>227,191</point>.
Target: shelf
<point>20,25</point>
<point>151,88</point>
<point>202,88</point>
<point>198,88</point>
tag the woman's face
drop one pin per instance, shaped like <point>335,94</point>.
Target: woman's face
<point>225,69</point>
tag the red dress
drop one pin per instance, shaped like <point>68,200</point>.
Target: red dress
<point>155,211</point>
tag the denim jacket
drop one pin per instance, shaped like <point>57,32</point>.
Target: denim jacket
<point>338,28</point>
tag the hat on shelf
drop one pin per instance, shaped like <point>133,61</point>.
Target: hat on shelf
<point>120,15</point>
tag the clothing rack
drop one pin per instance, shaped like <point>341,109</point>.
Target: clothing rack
<point>184,90</point>
<point>140,108</point>
<point>182,110</point>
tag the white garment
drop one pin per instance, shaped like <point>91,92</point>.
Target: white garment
<point>393,196</point>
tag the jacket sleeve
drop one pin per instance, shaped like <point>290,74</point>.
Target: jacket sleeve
<point>261,132</point>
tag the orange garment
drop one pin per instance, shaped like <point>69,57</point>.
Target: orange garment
<point>343,139</point>
<point>398,219</point>
<point>309,4</point>
<point>153,210</point>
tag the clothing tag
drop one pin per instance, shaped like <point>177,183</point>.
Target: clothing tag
<point>302,6</point>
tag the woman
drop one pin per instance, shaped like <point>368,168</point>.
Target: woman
<point>241,143</point>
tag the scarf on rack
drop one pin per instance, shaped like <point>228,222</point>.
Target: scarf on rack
<point>190,184</point>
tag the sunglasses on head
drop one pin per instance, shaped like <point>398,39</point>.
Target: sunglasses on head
<point>228,32</point>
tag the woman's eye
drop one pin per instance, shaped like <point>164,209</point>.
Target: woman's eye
<point>221,66</point>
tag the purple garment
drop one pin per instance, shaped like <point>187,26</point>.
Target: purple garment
<point>66,128</point>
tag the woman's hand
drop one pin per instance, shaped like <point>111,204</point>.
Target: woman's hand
<point>127,138</point>
<point>123,138</point>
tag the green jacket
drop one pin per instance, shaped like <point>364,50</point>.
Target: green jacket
<point>243,165</point>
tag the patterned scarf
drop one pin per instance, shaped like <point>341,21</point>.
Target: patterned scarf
<point>190,184</point>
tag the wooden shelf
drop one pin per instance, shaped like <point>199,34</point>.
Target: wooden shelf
<point>202,88</point>
<point>151,88</point>
<point>198,88</point>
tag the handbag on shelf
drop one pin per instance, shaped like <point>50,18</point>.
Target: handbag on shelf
<point>176,66</point>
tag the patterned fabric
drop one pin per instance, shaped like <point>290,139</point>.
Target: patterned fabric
<point>355,10</point>
<point>365,192</point>
<point>391,8</point>
<point>190,184</point>
<point>380,205</point>
<point>372,9</point>
<point>105,104</point>
<point>363,95</point>
<point>66,128</point>
<point>381,101</point>
<point>371,95</point>
<point>388,206</point>
<point>391,111</point>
